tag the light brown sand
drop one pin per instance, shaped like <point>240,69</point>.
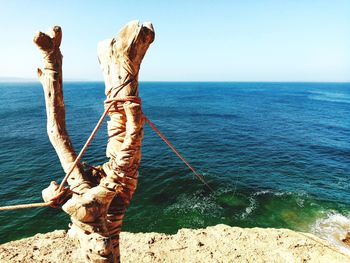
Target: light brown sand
<point>220,243</point>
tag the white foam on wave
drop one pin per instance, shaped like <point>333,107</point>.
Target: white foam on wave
<point>249,209</point>
<point>196,202</point>
<point>263,192</point>
<point>334,229</point>
<point>300,198</point>
<point>330,96</point>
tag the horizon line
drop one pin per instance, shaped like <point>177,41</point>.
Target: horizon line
<point>29,80</point>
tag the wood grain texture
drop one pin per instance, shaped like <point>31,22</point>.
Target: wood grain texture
<point>51,80</point>
<point>98,208</point>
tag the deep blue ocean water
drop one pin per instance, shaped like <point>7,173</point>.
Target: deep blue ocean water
<point>277,155</point>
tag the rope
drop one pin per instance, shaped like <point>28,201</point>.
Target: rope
<point>54,202</point>
<point>93,133</point>
<point>87,143</point>
<point>98,125</point>
<point>14,207</point>
<point>199,176</point>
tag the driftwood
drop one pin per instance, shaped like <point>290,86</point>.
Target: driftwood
<point>97,206</point>
<point>51,79</point>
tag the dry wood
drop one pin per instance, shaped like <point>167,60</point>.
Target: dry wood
<point>97,212</point>
<point>120,59</point>
<point>51,79</point>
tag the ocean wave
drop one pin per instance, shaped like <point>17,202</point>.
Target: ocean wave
<point>194,203</point>
<point>250,208</point>
<point>228,203</point>
<point>330,96</point>
<point>334,228</point>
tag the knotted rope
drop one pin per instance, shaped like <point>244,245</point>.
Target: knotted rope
<point>56,201</point>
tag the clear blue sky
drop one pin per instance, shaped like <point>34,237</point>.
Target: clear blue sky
<point>200,40</point>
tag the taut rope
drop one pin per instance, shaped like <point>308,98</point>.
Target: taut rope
<point>14,207</point>
<point>55,203</point>
<point>199,176</point>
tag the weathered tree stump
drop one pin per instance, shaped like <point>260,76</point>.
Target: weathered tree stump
<point>97,207</point>
<point>120,59</point>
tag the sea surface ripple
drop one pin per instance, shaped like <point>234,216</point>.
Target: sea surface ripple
<point>277,155</point>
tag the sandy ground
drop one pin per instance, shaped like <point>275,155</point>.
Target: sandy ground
<point>219,243</point>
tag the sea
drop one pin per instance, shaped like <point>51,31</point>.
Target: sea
<point>276,154</point>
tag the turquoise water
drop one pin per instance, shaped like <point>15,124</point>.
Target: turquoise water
<point>277,155</point>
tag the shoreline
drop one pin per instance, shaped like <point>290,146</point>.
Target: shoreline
<point>220,243</point>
